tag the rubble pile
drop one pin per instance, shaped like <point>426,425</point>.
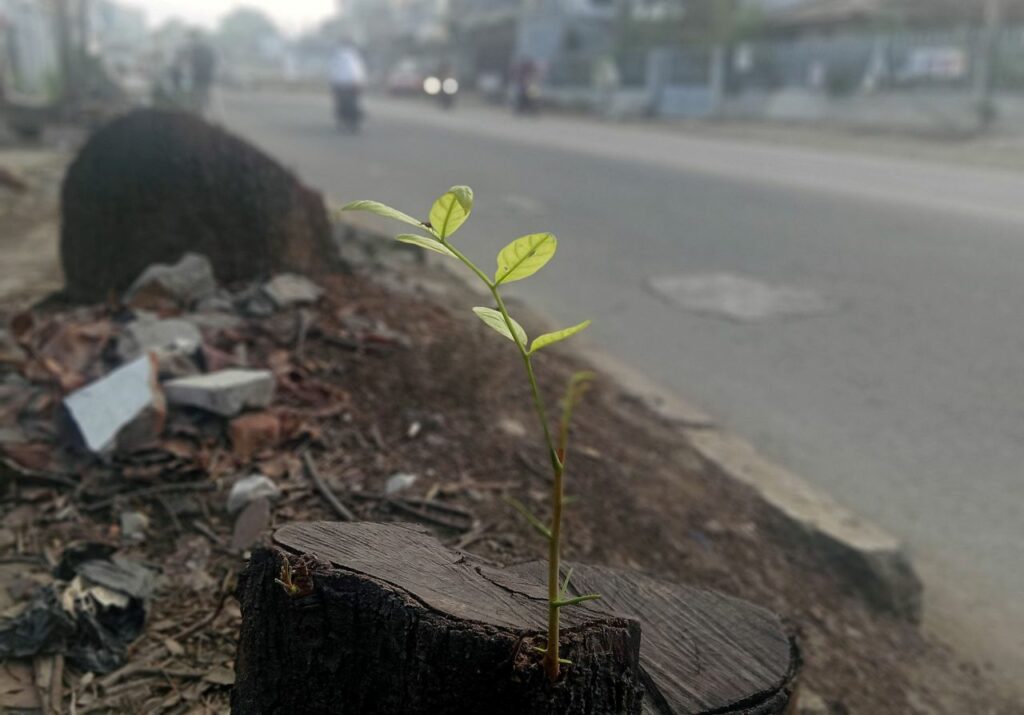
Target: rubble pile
<point>145,446</point>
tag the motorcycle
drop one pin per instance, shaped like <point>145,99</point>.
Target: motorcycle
<point>444,89</point>
<point>347,109</point>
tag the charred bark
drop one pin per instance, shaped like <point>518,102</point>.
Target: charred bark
<point>381,618</point>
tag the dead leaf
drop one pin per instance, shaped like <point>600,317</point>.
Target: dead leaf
<point>34,456</point>
<point>17,686</point>
<point>22,324</point>
<point>220,676</point>
<point>174,647</point>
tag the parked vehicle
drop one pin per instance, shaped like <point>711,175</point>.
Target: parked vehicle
<point>406,77</point>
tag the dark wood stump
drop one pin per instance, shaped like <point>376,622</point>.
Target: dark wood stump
<point>153,185</point>
<point>383,619</point>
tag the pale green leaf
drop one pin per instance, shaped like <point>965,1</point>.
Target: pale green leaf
<point>533,520</point>
<point>451,211</point>
<point>431,244</point>
<point>380,209</point>
<point>524,257</point>
<point>496,320</point>
<point>542,341</point>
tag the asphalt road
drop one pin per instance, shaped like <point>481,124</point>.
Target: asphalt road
<point>883,356</point>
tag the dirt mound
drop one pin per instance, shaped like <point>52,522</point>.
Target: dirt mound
<point>152,185</point>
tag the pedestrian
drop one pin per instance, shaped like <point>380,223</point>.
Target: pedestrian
<point>201,63</point>
<point>348,77</point>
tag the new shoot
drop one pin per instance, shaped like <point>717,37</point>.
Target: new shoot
<point>518,260</point>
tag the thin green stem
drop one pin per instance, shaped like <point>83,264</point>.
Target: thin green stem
<point>538,401</point>
<point>551,660</point>
<point>468,263</point>
<point>524,352</point>
<point>552,663</point>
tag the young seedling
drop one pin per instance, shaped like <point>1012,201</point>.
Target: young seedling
<point>518,260</point>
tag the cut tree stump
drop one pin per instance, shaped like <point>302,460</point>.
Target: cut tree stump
<point>152,185</point>
<point>382,619</point>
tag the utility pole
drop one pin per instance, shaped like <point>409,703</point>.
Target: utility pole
<point>62,18</point>
<point>984,75</point>
<point>722,23</point>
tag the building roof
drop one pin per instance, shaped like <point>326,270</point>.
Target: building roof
<point>846,12</point>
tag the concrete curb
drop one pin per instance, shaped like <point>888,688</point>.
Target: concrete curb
<point>870,561</point>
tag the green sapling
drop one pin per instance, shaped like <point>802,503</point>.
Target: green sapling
<point>518,260</point>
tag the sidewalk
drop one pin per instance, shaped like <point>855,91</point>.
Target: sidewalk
<point>995,151</point>
<point>29,223</point>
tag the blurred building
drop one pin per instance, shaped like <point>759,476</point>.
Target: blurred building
<point>391,31</point>
<point>29,54</point>
<point>935,65</point>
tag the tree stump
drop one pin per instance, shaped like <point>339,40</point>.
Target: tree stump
<point>153,185</point>
<point>382,619</point>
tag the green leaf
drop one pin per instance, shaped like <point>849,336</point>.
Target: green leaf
<point>380,209</point>
<point>576,601</point>
<point>524,257</point>
<point>533,520</point>
<point>542,341</point>
<point>563,591</point>
<point>496,320</point>
<point>451,211</point>
<point>431,244</point>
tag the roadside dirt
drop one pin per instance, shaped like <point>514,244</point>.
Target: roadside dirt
<point>396,376</point>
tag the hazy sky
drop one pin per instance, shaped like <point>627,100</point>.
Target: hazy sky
<point>291,15</point>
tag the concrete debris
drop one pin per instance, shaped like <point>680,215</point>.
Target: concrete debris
<point>119,574</point>
<point>170,336</point>
<point>120,411</point>
<point>810,703</point>
<point>133,526</point>
<point>221,302</point>
<point>225,393</point>
<point>255,303</point>
<point>250,489</point>
<point>214,321</point>
<point>398,483</point>
<point>253,520</point>
<point>189,280</point>
<point>512,427</point>
<point>288,290</point>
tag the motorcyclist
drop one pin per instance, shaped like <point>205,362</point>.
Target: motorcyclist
<point>524,85</point>
<point>348,77</point>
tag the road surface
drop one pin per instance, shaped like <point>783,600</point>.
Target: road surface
<point>859,319</point>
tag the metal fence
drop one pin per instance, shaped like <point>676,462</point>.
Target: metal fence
<point>843,63</point>
<point>846,62</point>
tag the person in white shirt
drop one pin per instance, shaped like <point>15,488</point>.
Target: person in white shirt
<point>348,77</point>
